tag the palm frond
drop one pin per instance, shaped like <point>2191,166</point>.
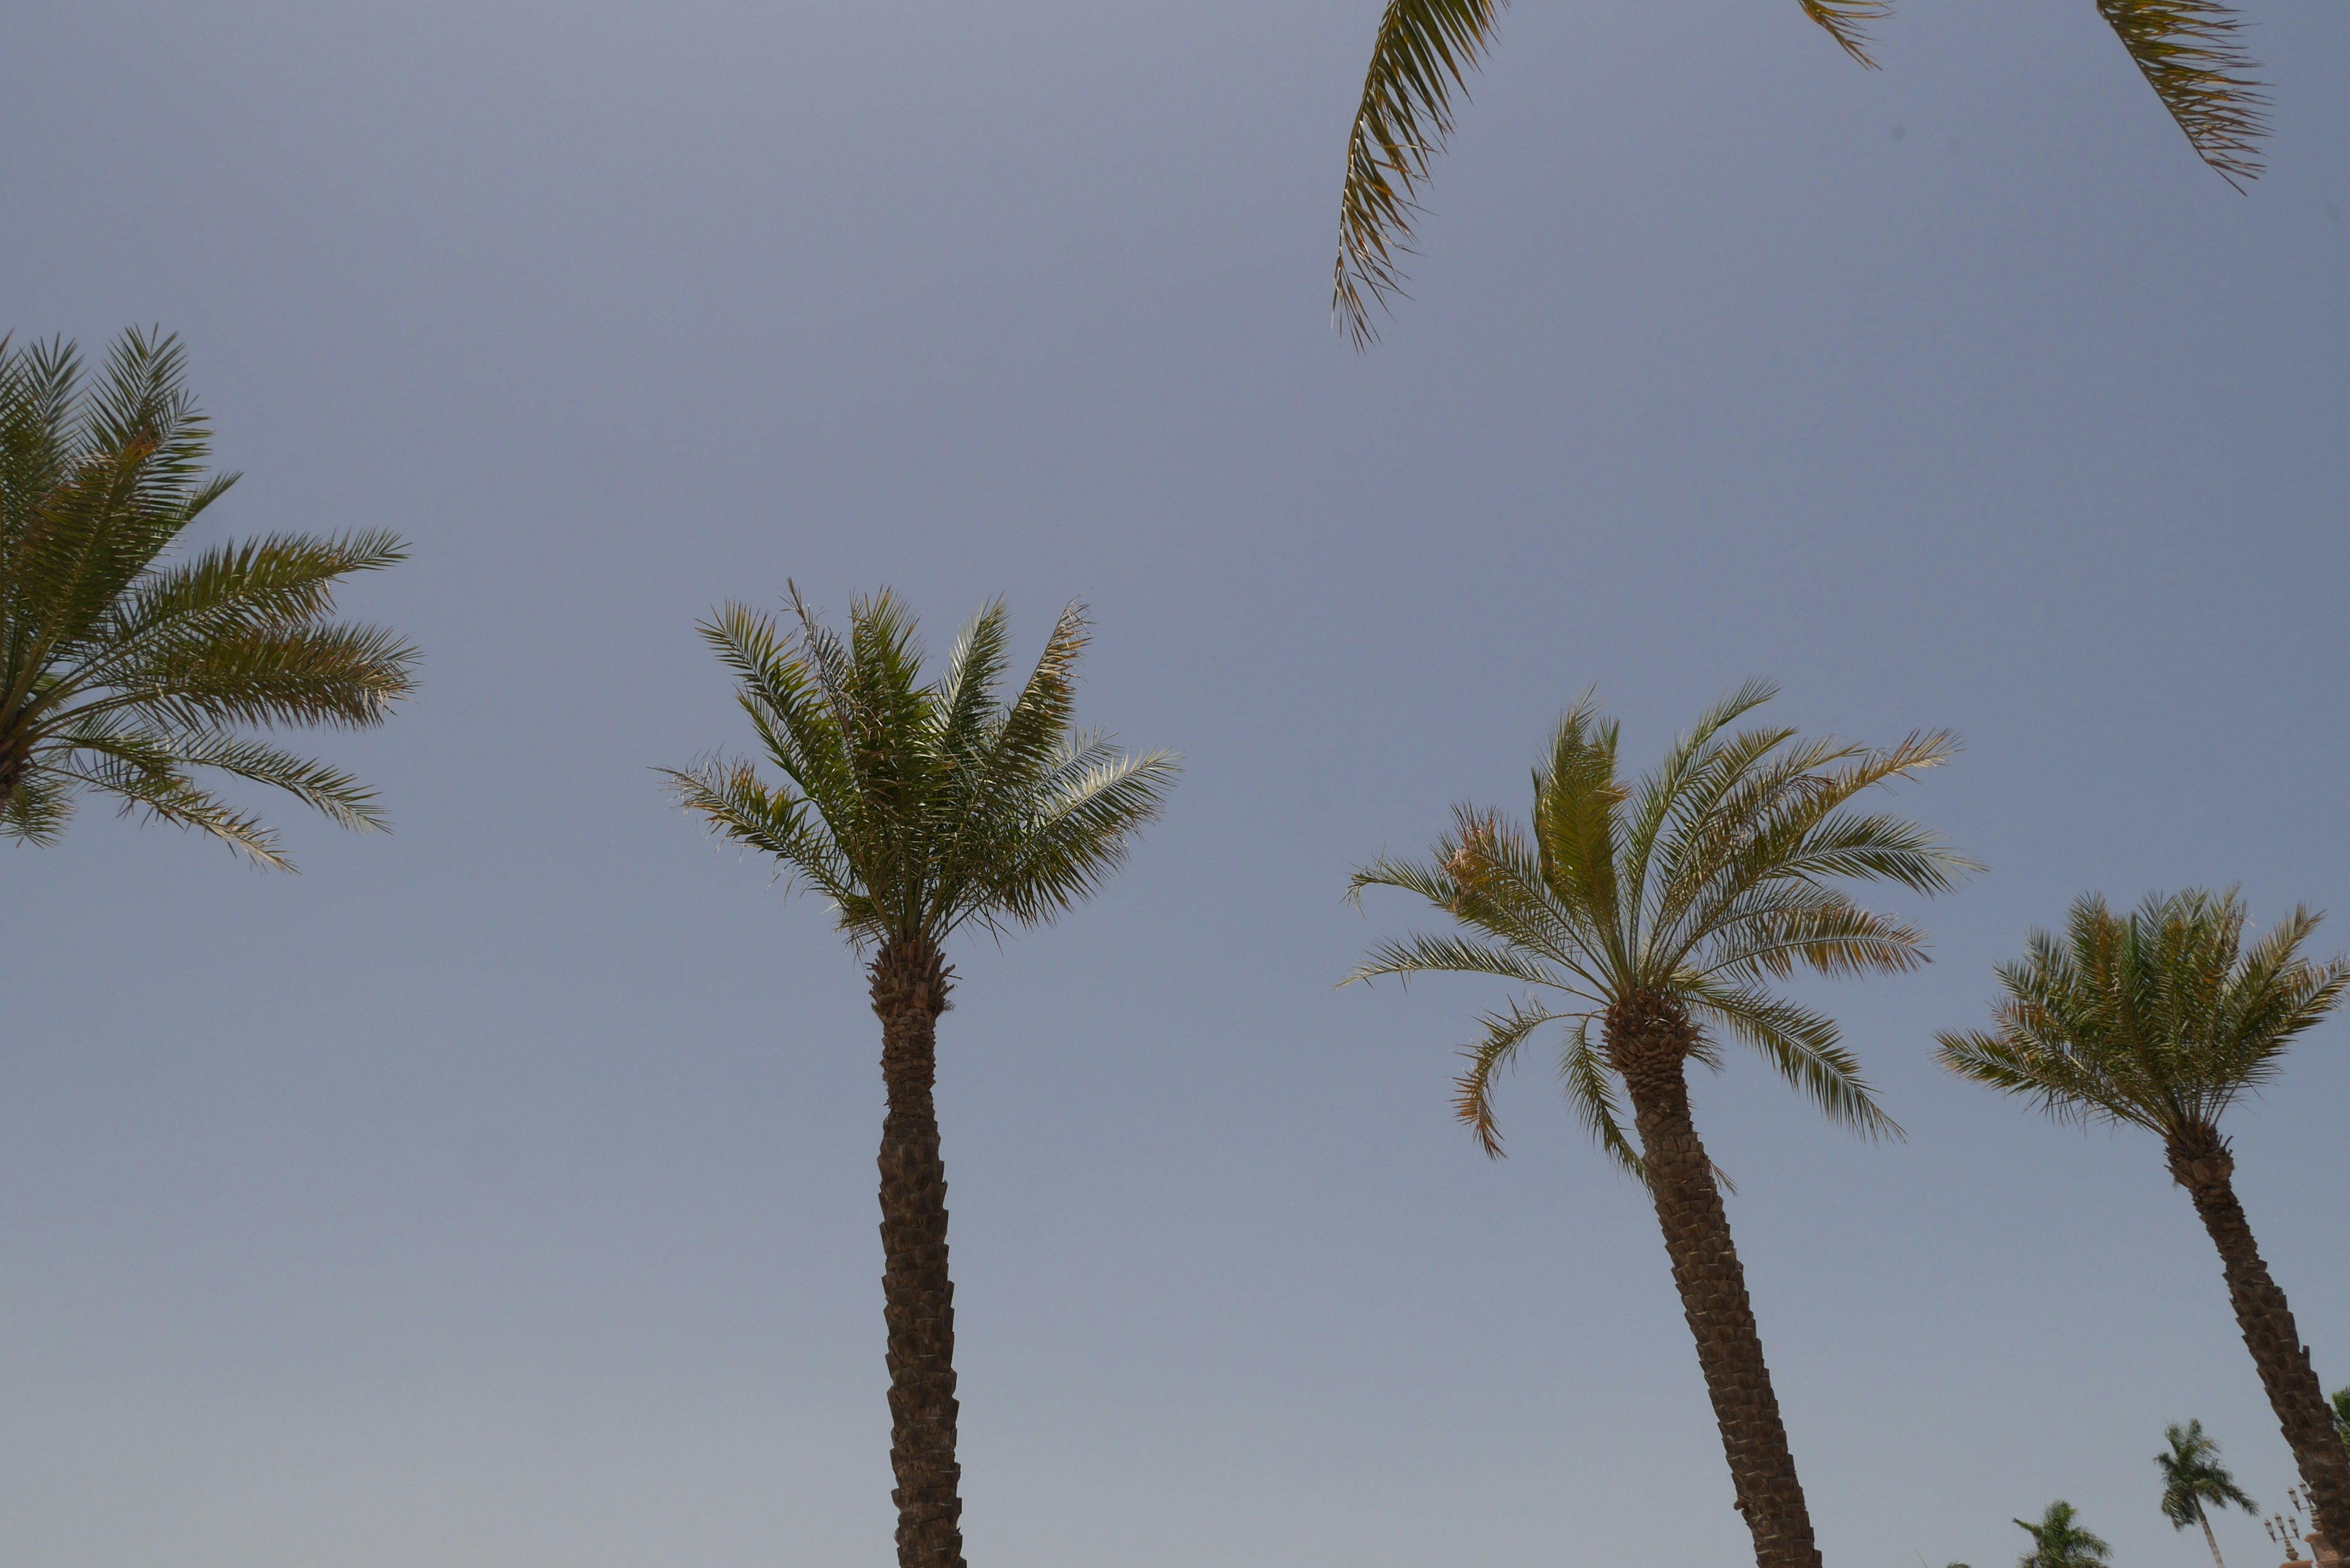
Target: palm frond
<point>1847,22</point>
<point>2188,53</point>
<point>1802,1046</point>
<point>1422,55</point>
<point>1473,1090</point>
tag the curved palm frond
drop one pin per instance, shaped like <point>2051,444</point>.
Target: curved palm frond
<point>2187,51</point>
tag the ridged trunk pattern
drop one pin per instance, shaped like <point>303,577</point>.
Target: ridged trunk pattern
<point>909,990</point>
<point>1648,1040</point>
<point>2201,1163</point>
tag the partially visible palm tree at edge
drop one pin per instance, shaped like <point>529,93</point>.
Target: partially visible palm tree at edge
<point>127,674</point>
<point>917,809</point>
<point>1655,914</point>
<point>2163,1018</point>
<point>2059,1541</point>
<point>2192,1476</point>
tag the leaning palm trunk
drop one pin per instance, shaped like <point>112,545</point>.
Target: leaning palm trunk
<point>1649,1040</point>
<point>2200,1162</point>
<point>2209,1540</point>
<point>909,991</point>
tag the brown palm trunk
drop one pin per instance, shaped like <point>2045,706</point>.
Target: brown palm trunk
<point>2201,1163</point>
<point>909,990</point>
<point>1648,1040</point>
<point>2209,1540</point>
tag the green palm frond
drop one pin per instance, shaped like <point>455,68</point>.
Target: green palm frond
<point>1715,874</point>
<point>2160,1018</point>
<point>1420,58</point>
<point>2189,56</point>
<point>124,672</point>
<point>914,806</point>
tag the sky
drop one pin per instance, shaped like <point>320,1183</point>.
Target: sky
<point>499,1193</point>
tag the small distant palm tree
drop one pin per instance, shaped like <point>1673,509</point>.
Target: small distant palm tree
<point>915,810</point>
<point>2162,1018</point>
<point>1425,51</point>
<point>129,674</point>
<point>1662,912</point>
<point>2058,1541</point>
<point>2342,1416</point>
<point>2192,1476</point>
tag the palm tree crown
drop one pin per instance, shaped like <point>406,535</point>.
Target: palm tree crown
<point>2160,1019</point>
<point>1704,882</point>
<point>126,675</point>
<point>1425,50</point>
<point>914,808</point>
<point>2193,1476</point>
<point>2058,1541</point>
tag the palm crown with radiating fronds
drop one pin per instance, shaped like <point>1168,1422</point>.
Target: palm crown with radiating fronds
<point>1425,50</point>
<point>2192,1476</point>
<point>125,676</point>
<point>1704,883</point>
<point>2061,1541</point>
<point>2160,1018</point>
<point>917,808</point>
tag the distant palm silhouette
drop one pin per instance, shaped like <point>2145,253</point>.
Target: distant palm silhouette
<point>2191,1477</point>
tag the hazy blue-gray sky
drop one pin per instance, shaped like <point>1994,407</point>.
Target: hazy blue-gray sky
<point>500,1193</point>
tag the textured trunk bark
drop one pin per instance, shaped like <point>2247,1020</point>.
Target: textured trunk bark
<point>2201,1163</point>
<point>909,990</point>
<point>1648,1040</point>
<point>2208,1539</point>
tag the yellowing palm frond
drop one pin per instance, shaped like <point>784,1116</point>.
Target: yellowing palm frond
<point>2189,56</point>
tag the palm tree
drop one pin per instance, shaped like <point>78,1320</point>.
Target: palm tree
<point>916,810</point>
<point>2342,1416</point>
<point>2059,1542</point>
<point>2163,1020</point>
<point>2193,1475</point>
<point>1661,912</point>
<point>1425,50</point>
<point>124,673</point>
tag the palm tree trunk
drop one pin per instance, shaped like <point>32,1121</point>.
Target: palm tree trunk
<point>1648,1040</point>
<point>2209,1540</point>
<point>909,983</point>
<point>2201,1163</point>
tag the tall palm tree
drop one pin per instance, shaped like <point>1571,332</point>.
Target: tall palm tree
<point>1661,912</point>
<point>917,809</point>
<point>2193,1475</point>
<point>127,673</point>
<point>1425,50</point>
<point>2058,1541</point>
<point>2162,1018</point>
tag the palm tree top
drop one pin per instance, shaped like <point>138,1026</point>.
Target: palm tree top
<point>2059,1541</point>
<point>2192,1476</point>
<point>1703,883</point>
<point>2161,1018</point>
<point>915,807</point>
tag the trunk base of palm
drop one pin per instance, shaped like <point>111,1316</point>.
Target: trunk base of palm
<point>1648,1040</point>
<point>909,984</point>
<point>2201,1163</point>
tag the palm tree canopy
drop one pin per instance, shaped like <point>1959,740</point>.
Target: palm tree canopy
<point>1704,882</point>
<point>1425,50</point>
<point>125,673</point>
<point>2058,1541</point>
<point>915,807</point>
<point>2192,1476</point>
<point>2161,1018</point>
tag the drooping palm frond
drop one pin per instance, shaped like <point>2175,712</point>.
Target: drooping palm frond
<point>1701,883</point>
<point>1420,58</point>
<point>125,673</point>
<point>2160,1018</point>
<point>915,807</point>
<point>2189,52</point>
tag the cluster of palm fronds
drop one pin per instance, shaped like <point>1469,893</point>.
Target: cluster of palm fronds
<point>127,673</point>
<point>1425,50</point>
